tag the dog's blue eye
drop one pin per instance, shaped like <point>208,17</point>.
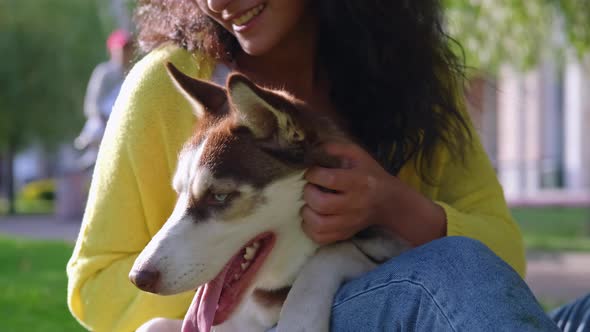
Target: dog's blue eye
<point>220,197</point>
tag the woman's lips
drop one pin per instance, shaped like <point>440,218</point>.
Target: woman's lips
<point>244,21</point>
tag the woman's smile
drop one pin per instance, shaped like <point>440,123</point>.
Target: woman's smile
<point>258,25</point>
<point>242,21</point>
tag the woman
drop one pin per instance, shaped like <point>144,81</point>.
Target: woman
<point>386,69</point>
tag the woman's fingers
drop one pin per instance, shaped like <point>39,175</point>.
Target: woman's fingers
<point>343,201</point>
<point>323,202</point>
<point>324,229</point>
<point>350,154</point>
<point>330,178</point>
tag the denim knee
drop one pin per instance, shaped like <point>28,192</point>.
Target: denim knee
<point>388,305</point>
<point>449,258</point>
<point>462,280</point>
<point>461,247</point>
<point>468,257</point>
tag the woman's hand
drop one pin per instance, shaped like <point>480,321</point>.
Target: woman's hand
<point>362,194</point>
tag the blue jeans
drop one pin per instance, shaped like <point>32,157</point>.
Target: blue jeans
<point>573,317</point>
<point>451,284</point>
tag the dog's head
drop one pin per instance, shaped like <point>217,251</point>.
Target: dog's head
<point>236,224</point>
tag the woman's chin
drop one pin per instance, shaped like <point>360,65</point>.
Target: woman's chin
<point>254,48</point>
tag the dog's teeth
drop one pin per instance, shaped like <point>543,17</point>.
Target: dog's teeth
<point>245,265</point>
<point>236,276</point>
<point>250,252</point>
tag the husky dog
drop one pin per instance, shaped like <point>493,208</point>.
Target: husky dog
<point>235,232</point>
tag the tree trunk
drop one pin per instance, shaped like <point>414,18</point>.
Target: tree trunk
<point>120,12</point>
<point>10,179</point>
<point>2,175</point>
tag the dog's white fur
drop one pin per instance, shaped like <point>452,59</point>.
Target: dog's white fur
<point>189,254</point>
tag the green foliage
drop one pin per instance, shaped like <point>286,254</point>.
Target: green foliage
<point>37,197</point>
<point>38,190</point>
<point>28,206</point>
<point>577,22</point>
<point>517,31</point>
<point>33,286</point>
<point>49,50</point>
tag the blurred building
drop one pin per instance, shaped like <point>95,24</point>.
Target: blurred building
<point>535,125</point>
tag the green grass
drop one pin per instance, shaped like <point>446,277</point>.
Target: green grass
<point>554,228</point>
<point>550,304</point>
<point>33,286</point>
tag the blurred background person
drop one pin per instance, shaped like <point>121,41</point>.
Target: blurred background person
<point>102,91</point>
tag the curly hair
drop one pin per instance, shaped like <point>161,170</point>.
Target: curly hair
<point>394,77</point>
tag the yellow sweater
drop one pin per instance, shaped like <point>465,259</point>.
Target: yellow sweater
<point>131,197</point>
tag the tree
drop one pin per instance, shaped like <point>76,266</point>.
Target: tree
<point>517,31</point>
<point>49,50</point>
<point>576,14</point>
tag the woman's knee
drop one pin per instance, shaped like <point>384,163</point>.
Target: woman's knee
<point>460,247</point>
<point>458,278</point>
<point>450,263</point>
<point>458,253</point>
<point>439,261</point>
<point>387,305</point>
<point>447,255</point>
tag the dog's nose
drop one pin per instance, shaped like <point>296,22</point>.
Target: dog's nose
<point>146,280</point>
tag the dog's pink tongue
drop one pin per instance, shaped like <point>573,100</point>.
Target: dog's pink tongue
<point>200,315</point>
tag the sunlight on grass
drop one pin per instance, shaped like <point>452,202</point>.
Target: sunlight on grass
<point>550,304</point>
<point>33,286</point>
<point>554,228</point>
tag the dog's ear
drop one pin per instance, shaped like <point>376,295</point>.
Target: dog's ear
<point>264,112</point>
<point>205,97</point>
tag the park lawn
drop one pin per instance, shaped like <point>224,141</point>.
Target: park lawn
<point>554,228</point>
<point>33,286</point>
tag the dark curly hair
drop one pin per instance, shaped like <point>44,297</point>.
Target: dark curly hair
<point>394,77</point>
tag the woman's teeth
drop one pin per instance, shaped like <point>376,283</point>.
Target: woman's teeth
<point>249,15</point>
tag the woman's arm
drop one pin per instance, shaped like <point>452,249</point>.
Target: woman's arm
<point>464,198</point>
<point>474,205</point>
<point>131,197</point>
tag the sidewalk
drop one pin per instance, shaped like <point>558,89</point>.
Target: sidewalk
<point>558,277</point>
<point>40,227</point>
<point>554,277</point>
